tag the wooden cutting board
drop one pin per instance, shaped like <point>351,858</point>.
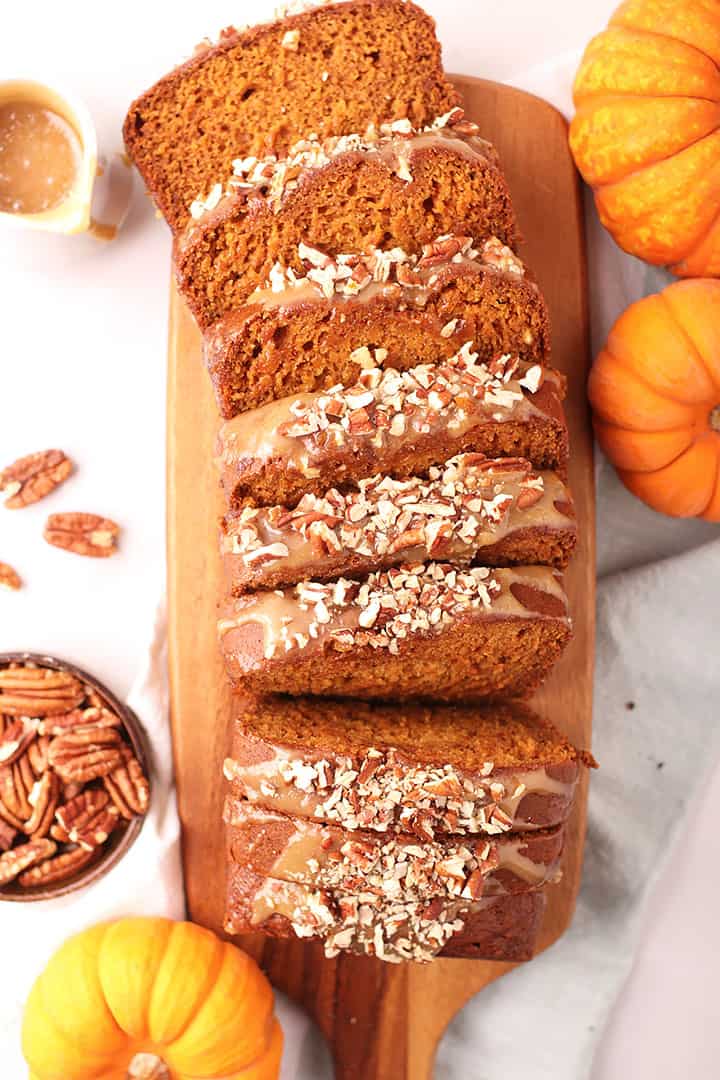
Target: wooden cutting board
<point>383,1022</point>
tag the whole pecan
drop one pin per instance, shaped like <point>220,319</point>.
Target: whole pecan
<point>17,735</point>
<point>89,818</point>
<point>82,534</point>
<point>87,755</point>
<point>55,869</point>
<point>9,577</point>
<point>37,754</point>
<point>79,720</point>
<point>32,691</point>
<point>31,478</point>
<point>43,799</point>
<point>14,791</point>
<point>128,787</point>
<point>19,859</point>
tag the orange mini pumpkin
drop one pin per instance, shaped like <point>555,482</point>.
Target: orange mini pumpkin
<point>646,134</point>
<point>655,392</point>
<point>150,999</point>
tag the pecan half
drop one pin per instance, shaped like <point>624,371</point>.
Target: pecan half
<point>82,534</point>
<point>128,788</point>
<point>55,869</point>
<point>16,737</point>
<point>19,859</point>
<point>30,691</point>
<point>14,791</point>
<point>8,836</point>
<point>43,799</point>
<point>79,720</point>
<point>87,755</point>
<point>37,754</point>
<point>31,478</point>
<point>9,578</point>
<point>89,818</point>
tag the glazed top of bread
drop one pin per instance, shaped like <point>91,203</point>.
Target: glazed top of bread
<point>419,769</point>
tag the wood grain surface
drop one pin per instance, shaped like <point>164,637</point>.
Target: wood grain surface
<point>382,1021</point>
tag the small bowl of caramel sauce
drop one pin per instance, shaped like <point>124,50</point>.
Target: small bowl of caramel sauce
<point>48,158</point>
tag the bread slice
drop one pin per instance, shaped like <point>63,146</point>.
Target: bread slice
<point>300,333</point>
<point>393,188</point>
<point>421,631</point>
<point>498,512</point>
<point>331,70</point>
<point>491,928</point>
<point>395,423</point>
<point>395,867</point>
<point>427,770</point>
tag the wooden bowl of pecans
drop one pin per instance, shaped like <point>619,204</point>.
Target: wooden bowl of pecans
<point>74,788</point>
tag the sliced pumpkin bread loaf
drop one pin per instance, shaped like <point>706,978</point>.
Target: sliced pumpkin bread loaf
<point>397,867</point>
<point>394,423</point>
<point>308,331</point>
<point>329,70</point>
<point>427,631</point>
<point>428,770</point>
<point>398,187</point>
<point>490,928</point>
<point>499,512</point>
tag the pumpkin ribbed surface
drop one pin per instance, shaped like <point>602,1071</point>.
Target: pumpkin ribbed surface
<point>150,999</point>
<point>655,392</point>
<point>646,133</point>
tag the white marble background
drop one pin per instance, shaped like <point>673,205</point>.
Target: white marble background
<point>83,340</point>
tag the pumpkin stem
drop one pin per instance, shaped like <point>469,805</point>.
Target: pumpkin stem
<point>715,418</point>
<point>147,1067</point>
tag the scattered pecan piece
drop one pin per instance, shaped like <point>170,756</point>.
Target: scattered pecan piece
<point>31,478</point>
<point>43,799</point>
<point>55,869</point>
<point>82,534</point>
<point>89,818</point>
<point>19,859</point>
<point>31,691</point>
<point>16,737</point>
<point>9,578</point>
<point>128,788</point>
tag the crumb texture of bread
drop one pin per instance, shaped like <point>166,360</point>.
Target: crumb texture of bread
<point>508,733</point>
<point>301,340</point>
<point>355,202</point>
<point>329,71</point>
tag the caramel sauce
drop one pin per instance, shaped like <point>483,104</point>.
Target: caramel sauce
<point>40,155</point>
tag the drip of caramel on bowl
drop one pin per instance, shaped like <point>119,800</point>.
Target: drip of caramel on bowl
<point>40,155</point>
